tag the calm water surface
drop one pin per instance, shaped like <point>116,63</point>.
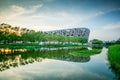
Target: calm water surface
<point>55,65</point>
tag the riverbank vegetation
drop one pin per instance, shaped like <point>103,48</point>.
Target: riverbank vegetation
<point>114,42</point>
<point>97,43</point>
<point>27,57</point>
<point>33,46</point>
<point>85,52</point>
<point>114,58</point>
<point>13,35</point>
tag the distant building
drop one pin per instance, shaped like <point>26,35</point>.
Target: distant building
<point>82,32</point>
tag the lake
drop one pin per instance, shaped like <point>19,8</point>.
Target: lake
<point>54,64</point>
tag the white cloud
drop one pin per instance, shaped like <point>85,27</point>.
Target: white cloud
<point>104,34</point>
<point>30,18</point>
<point>112,26</point>
<point>33,9</point>
<point>62,19</point>
<point>16,11</point>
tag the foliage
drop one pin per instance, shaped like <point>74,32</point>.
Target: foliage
<point>96,41</point>
<point>114,53</point>
<point>30,56</point>
<point>85,52</point>
<point>118,41</point>
<point>114,57</point>
<point>33,46</point>
<point>9,34</point>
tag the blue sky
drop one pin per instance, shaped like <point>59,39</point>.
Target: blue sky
<point>102,17</point>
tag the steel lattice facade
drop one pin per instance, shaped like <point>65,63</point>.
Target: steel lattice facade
<point>82,32</point>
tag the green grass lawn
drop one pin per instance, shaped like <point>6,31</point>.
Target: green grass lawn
<point>15,46</point>
<point>85,52</point>
<point>114,58</point>
<point>32,46</point>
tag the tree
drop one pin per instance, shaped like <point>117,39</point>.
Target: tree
<point>13,37</point>
<point>118,41</point>
<point>83,40</point>
<point>96,41</point>
<point>1,36</point>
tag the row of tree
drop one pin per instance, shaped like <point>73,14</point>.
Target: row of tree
<point>9,36</point>
<point>97,41</point>
<point>100,43</point>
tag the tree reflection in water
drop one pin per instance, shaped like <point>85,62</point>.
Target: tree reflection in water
<point>18,57</point>
<point>115,69</point>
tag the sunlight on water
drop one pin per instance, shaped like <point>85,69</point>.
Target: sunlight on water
<point>6,51</point>
<point>9,51</point>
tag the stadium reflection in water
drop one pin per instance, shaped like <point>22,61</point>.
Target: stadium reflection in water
<point>53,64</point>
<point>18,57</point>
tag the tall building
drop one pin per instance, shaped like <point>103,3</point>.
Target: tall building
<point>82,32</point>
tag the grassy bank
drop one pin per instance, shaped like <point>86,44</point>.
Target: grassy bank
<point>85,52</point>
<point>32,46</point>
<point>114,58</point>
<point>15,46</point>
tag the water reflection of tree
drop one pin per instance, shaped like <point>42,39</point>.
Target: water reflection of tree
<point>116,70</point>
<point>15,61</point>
<point>17,58</point>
